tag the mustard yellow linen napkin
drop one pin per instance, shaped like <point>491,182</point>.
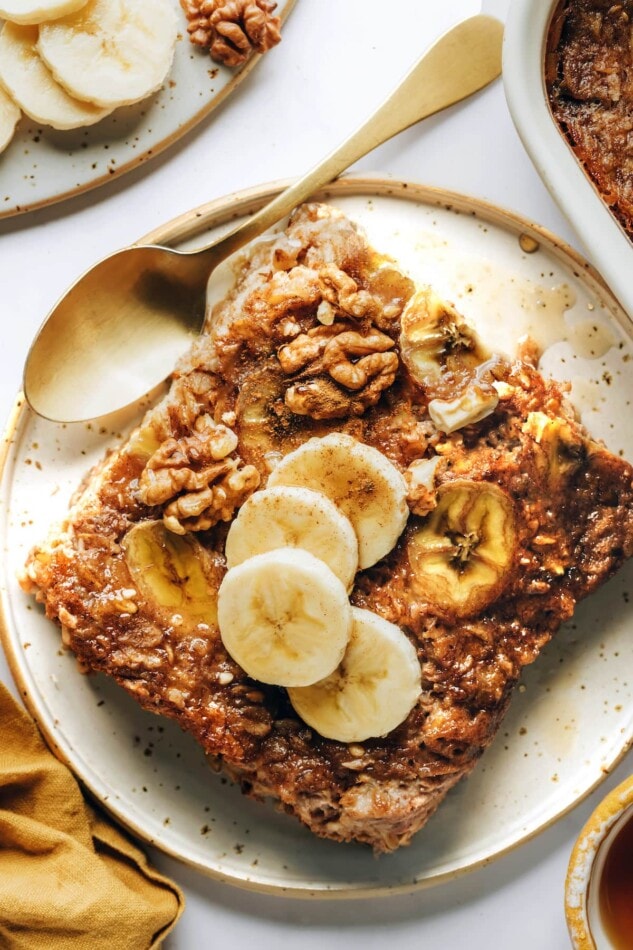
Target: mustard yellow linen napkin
<point>69,879</point>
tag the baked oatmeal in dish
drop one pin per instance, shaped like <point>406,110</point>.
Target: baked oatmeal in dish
<point>331,549</point>
<point>589,78</point>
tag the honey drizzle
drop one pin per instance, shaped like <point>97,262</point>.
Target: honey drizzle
<point>615,890</point>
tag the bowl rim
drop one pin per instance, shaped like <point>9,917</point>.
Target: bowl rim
<point>604,239</point>
<point>583,859</point>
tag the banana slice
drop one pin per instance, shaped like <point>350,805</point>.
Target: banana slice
<point>434,338</point>
<point>33,87</point>
<point>373,690</point>
<point>565,449</point>
<point>294,518</point>
<point>169,571</point>
<point>111,52</point>
<point>37,11</point>
<point>462,554</point>
<point>9,117</point>
<point>284,617</point>
<point>364,484</point>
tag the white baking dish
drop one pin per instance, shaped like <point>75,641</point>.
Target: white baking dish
<point>606,244</point>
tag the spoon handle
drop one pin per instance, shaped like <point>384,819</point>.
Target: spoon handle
<point>459,63</point>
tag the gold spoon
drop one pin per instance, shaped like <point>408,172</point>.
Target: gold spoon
<point>118,331</point>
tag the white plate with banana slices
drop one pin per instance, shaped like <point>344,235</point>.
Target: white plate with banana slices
<point>570,720</point>
<point>73,117</point>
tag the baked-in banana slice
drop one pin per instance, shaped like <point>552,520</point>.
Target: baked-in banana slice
<point>462,553</point>
<point>111,52</point>
<point>296,518</point>
<point>37,11</point>
<point>435,338</point>
<point>168,570</point>
<point>284,617</point>
<point>33,87</point>
<point>565,450</point>
<point>372,691</point>
<point>360,480</point>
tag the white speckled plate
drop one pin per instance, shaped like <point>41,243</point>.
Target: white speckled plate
<point>41,166</point>
<point>571,719</point>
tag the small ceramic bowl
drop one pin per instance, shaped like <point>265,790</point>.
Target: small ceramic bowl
<point>589,904</point>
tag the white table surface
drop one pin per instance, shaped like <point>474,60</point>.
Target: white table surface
<point>337,60</point>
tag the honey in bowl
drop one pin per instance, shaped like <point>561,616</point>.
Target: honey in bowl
<point>615,888</point>
<point>599,882</point>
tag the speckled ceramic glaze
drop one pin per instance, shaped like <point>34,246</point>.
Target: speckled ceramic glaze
<point>585,867</point>
<point>571,718</point>
<point>605,241</point>
<point>41,166</point>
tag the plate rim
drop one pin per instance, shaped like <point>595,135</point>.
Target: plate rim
<point>150,153</point>
<point>186,226</point>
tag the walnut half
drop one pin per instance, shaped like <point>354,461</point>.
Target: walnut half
<point>232,29</point>
<point>362,364</point>
<point>196,479</point>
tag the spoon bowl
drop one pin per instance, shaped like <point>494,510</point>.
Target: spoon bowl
<point>118,331</point>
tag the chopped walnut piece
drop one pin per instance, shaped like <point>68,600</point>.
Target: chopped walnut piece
<point>196,479</point>
<point>326,314</point>
<point>183,463</point>
<point>321,399</point>
<point>341,291</point>
<point>380,304</point>
<point>228,489</point>
<point>232,29</point>
<point>286,252</point>
<point>330,348</point>
<point>374,359</point>
<point>308,347</point>
<point>420,478</point>
<point>328,351</point>
<point>193,394</point>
